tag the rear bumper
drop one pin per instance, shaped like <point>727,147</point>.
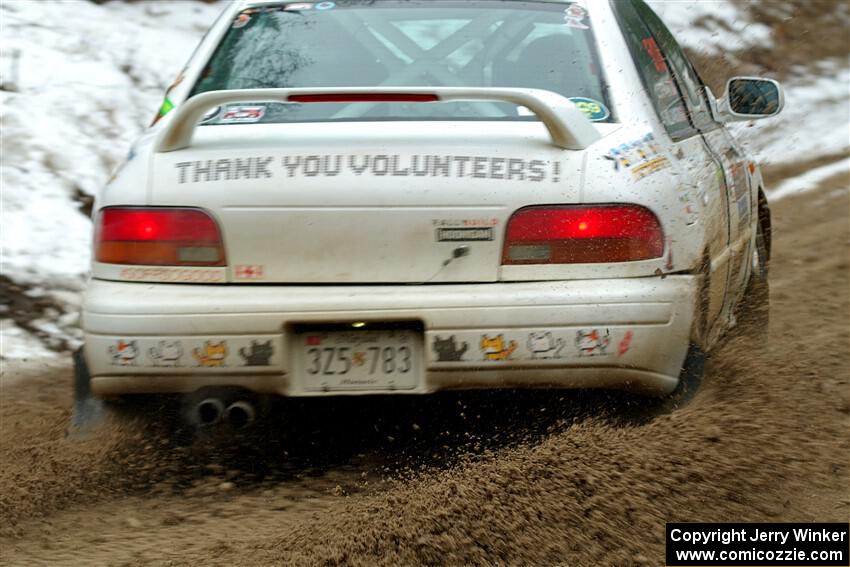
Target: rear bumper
<point>617,333</point>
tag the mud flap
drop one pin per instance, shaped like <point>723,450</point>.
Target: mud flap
<point>87,410</point>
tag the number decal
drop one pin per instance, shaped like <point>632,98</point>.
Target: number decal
<point>343,356</point>
<point>314,364</point>
<point>388,365</point>
<point>326,368</point>
<point>374,350</point>
<point>405,354</point>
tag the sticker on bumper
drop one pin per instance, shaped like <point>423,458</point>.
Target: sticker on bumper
<point>497,348</point>
<point>166,353</point>
<point>212,354</point>
<point>124,353</point>
<point>259,354</point>
<point>544,345</point>
<point>593,342</point>
<point>448,350</point>
<point>555,346</point>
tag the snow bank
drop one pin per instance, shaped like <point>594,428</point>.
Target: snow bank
<point>816,118</point>
<point>89,79</point>
<point>18,345</point>
<point>811,179</point>
<point>711,26</point>
<point>815,121</point>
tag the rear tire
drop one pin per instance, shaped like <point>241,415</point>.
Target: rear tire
<point>87,410</point>
<point>690,381</point>
<point>754,310</point>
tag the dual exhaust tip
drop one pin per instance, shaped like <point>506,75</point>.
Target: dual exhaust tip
<point>212,411</point>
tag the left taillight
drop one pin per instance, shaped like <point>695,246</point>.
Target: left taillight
<point>158,236</point>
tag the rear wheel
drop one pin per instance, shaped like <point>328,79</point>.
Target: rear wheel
<point>87,410</point>
<point>690,381</point>
<point>754,310</point>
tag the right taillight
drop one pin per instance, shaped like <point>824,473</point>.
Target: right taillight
<point>158,236</point>
<point>582,235</point>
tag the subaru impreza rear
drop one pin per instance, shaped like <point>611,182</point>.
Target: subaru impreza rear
<point>348,198</point>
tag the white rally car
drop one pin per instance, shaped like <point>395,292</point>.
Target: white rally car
<point>400,197</point>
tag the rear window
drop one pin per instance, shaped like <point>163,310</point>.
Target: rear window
<point>544,45</point>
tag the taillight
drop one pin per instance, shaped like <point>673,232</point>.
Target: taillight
<point>158,237</point>
<point>582,235</point>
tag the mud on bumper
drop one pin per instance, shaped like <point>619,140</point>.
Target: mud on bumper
<point>616,333</point>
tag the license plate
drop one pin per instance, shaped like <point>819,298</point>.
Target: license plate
<point>359,360</point>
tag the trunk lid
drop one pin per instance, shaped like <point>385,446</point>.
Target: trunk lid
<point>366,202</point>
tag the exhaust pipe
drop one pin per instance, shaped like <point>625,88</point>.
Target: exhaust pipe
<point>209,412</point>
<point>240,414</point>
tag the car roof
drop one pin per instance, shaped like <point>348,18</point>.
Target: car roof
<point>260,3</point>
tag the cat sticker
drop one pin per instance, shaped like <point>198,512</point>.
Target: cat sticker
<point>258,355</point>
<point>448,350</point>
<point>124,353</point>
<point>543,345</point>
<point>592,342</point>
<point>495,348</point>
<point>212,355</point>
<point>166,353</point>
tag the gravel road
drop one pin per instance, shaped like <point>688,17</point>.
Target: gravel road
<point>530,478</point>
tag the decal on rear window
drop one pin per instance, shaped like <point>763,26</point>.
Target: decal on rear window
<point>593,109</point>
<point>574,17</point>
<point>655,54</point>
<point>362,43</point>
<point>242,114</point>
<point>241,21</point>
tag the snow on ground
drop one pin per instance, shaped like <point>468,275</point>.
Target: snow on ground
<point>17,345</point>
<point>816,118</point>
<point>721,26</point>
<point>89,79</point>
<point>815,121</point>
<point>812,178</point>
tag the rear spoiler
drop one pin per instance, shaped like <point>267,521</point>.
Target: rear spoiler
<point>568,127</point>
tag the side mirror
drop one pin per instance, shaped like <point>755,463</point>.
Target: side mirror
<point>749,98</point>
